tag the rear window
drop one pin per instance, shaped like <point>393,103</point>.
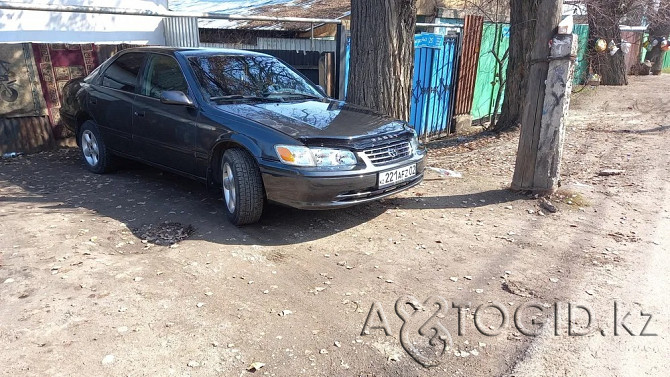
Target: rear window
<point>122,74</point>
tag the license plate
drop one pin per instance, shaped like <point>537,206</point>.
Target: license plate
<point>391,177</point>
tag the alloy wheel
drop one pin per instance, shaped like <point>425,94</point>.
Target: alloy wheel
<point>229,193</point>
<point>90,148</point>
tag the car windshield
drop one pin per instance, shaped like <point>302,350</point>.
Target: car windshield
<point>251,77</point>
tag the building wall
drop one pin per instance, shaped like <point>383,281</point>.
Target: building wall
<point>53,27</point>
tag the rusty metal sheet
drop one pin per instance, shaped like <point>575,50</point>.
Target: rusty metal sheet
<point>635,39</point>
<point>467,72</point>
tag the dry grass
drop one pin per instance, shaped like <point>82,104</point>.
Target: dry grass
<point>571,198</point>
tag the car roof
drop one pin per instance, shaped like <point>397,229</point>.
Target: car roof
<point>192,51</point>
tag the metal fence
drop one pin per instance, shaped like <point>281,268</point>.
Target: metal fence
<point>433,85</point>
<point>433,89</point>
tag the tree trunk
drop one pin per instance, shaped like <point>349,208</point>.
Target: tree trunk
<point>382,55</point>
<point>659,27</point>
<point>655,56</point>
<point>604,19</point>
<point>548,16</point>
<point>523,14</point>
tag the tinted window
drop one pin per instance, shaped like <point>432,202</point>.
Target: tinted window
<point>163,74</point>
<point>248,75</point>
<point>122,74</point>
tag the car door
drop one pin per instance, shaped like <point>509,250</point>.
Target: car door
<point>110,101</point>
<point>164,132</point>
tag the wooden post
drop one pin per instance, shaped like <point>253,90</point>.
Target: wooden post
<point>526,172</point>
<point>555,109</point>
<point>340,61</point>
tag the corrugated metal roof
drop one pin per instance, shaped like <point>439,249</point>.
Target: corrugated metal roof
<point>281,44</point>
<point>272,8</point>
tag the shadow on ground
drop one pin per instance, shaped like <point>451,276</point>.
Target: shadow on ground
<point>657,129</point>
<point>461,140</point>
<point>139,195</point>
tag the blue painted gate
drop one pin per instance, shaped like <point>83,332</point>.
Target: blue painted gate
<point>434,86</point>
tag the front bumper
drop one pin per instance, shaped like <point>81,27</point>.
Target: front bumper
<point>311,189</point>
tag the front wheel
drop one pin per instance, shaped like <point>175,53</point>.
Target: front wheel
<point>243,191</point>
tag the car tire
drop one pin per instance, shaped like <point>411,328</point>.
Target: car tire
<point>242,186</point>
<point>93,149</point>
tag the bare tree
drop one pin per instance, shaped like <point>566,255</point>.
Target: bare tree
<point>382,55</point>
<point>605,17</point>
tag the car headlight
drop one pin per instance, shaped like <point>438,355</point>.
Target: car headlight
<point>326,157</point>
<point>333,157</point>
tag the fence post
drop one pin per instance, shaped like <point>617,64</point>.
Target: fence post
<point>340,58</point>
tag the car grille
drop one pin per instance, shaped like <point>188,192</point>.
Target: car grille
<point>388,153</point>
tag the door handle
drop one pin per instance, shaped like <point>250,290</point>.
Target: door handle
<point>139,114</point>
<point>93,101</point>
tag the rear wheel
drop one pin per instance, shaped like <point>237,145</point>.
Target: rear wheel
<point>243,192</point>
<point>93,149</point>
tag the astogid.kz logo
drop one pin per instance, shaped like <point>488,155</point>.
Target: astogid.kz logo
<point>425,337</point>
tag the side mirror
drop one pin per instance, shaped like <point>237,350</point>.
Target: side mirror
<point>175,97</point>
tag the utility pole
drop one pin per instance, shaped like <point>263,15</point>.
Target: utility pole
<point>538,158</point>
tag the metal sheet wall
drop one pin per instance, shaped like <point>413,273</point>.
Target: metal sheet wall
<point>582,63</point>
<point>635,38</point>
<point>182,32</point>
<point>26,134</point>
<point>283,44</point>
<point>495,39</point>
<point>467,72</point>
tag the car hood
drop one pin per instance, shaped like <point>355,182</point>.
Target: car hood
<point>317,119</point>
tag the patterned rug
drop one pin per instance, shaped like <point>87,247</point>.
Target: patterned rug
<point>57,63</point>
<point>20,91</point>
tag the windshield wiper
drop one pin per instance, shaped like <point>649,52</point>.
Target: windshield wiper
<point>233,97</point>
<point>290,93</point>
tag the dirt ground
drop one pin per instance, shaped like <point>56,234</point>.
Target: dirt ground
<point>82,291</point>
